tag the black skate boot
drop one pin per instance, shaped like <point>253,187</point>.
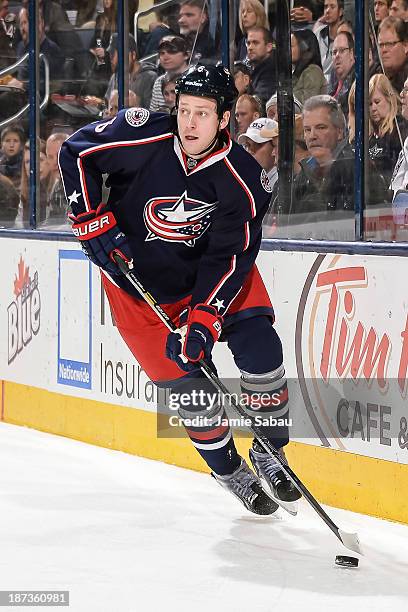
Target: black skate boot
<point>245,485</point>
<point>274,480</point>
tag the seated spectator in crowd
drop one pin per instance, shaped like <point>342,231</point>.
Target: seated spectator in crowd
<point>399,178</point>
<point>272,107</point>
<point>105,26</point>
<point>23,219</point>
<point>326,31</point>
<point>393,44</point>
<point>305,12</point>
<point>251,15</point>
<point>49,48</point>
<point>194,26</point>
<point>113,103</point>
<point>141,76</point>
<point>263,62</point>
<point>59,29</point>
<point>247,109</point>
<point>164,26</point>
<point>307,76</point>
<point>343,68</point>
<point>399,8</point>
<point>242,76</point>
<point>9,200</point>
<point>262,148</point>
<point>57,203</point>
<point>12,144</point>
<point>86,11</point>
<point>384,144</point>
<point>326,178</point>
<point>7,50</point>
<point>173,57</point>
<point>169,93</point>
<point>381,11</point>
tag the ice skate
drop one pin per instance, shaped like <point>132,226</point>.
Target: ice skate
<point>273,479</point>
<point>245,485</point>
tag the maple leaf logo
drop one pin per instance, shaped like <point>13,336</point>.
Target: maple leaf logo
<point>23,279</point>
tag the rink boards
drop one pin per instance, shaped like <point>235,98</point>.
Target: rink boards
<point>343,321</point>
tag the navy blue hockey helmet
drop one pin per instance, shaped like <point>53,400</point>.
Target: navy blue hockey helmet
<point>209,82</point>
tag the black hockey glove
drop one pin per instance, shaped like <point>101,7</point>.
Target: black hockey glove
<point>198,330</point>
<point>100,237</point>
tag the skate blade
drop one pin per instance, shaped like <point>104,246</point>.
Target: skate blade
<point>290,507</point>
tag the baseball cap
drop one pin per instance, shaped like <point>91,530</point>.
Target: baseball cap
<point>254,130</point>
<point>173,44</point>
<point>113,43</point>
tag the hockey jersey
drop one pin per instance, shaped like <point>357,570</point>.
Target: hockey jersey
<point>194,228</point>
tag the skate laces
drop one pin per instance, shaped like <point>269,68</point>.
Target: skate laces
<point>241,482</point>
<point>267,463</point>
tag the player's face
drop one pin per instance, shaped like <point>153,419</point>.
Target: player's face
<point>197,122</point>
<point>11,144</point>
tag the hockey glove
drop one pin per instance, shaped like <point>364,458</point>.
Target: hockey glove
<point>100,237</point>
<point>194,340</point>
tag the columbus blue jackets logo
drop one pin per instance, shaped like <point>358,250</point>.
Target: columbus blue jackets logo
<point>136,116</point>
<point>177,218</point>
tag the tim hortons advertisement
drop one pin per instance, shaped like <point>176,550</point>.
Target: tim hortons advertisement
<point>350,346</point>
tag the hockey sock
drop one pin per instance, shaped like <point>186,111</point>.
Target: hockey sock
<point>206,424</point>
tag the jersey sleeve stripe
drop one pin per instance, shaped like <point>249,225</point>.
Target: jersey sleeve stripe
<point>247,236</point>
<point>243,185</point>
<point>223,279</point>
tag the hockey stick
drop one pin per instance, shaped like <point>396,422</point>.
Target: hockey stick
<point>349,540</point>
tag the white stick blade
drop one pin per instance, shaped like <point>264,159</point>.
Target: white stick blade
<point>351,541</point>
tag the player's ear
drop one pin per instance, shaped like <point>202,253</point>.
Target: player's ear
<point>225,119</point>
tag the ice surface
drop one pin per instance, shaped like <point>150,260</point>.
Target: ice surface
<point>125,534</point>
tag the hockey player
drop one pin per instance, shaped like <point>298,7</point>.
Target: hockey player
<point>186,207</point>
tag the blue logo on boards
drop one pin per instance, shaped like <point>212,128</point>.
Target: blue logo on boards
<point>74,319</point>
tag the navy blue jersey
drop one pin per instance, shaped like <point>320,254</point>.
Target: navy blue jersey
<point>193,227</point>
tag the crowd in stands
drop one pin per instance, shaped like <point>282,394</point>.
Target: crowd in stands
<point>80,43</point>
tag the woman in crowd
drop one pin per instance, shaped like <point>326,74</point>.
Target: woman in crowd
<point>11,155</point>
<point>307,77</point>
<point>45,186</point>
<point>384,143</point>
<point>251,14</point>
<point>105,26</point>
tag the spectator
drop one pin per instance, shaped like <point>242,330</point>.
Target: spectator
<point>49,48</point>
<point>7,53</point>
<point>12,144</point>
<point>45,179</point>
<point>173,57</point>
<point>399,180</point>
<point>399,8</point>
<point>272,107</point>
<point>307,77</point>
<point>251,15</point>
<point>345,25</point>
<point>8,202</point>
<point>326,178</point>
<point>326,32</point>
<point>59,29</point>
<point>262,148</point>
<point>57,203</point>
<point>169,93</point>
<point>343,68</point>
<point>305,12</point>
<point>113,103</point>
<point>105,26</point>
<point>381,10</point>
<point>166,25</point>
<point>247,109</point>
<point>193,24</point>
<point>242,76</point>
<point>86,12</point>
<point>393,44</point>
<point>141,77</point>
<point>262,61</point>
<point>384,143</point>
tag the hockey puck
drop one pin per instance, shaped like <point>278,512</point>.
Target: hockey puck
<point>345,561</point>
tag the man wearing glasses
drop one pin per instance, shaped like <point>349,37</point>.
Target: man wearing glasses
<point>343,73</point>
<point>393,44</point>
